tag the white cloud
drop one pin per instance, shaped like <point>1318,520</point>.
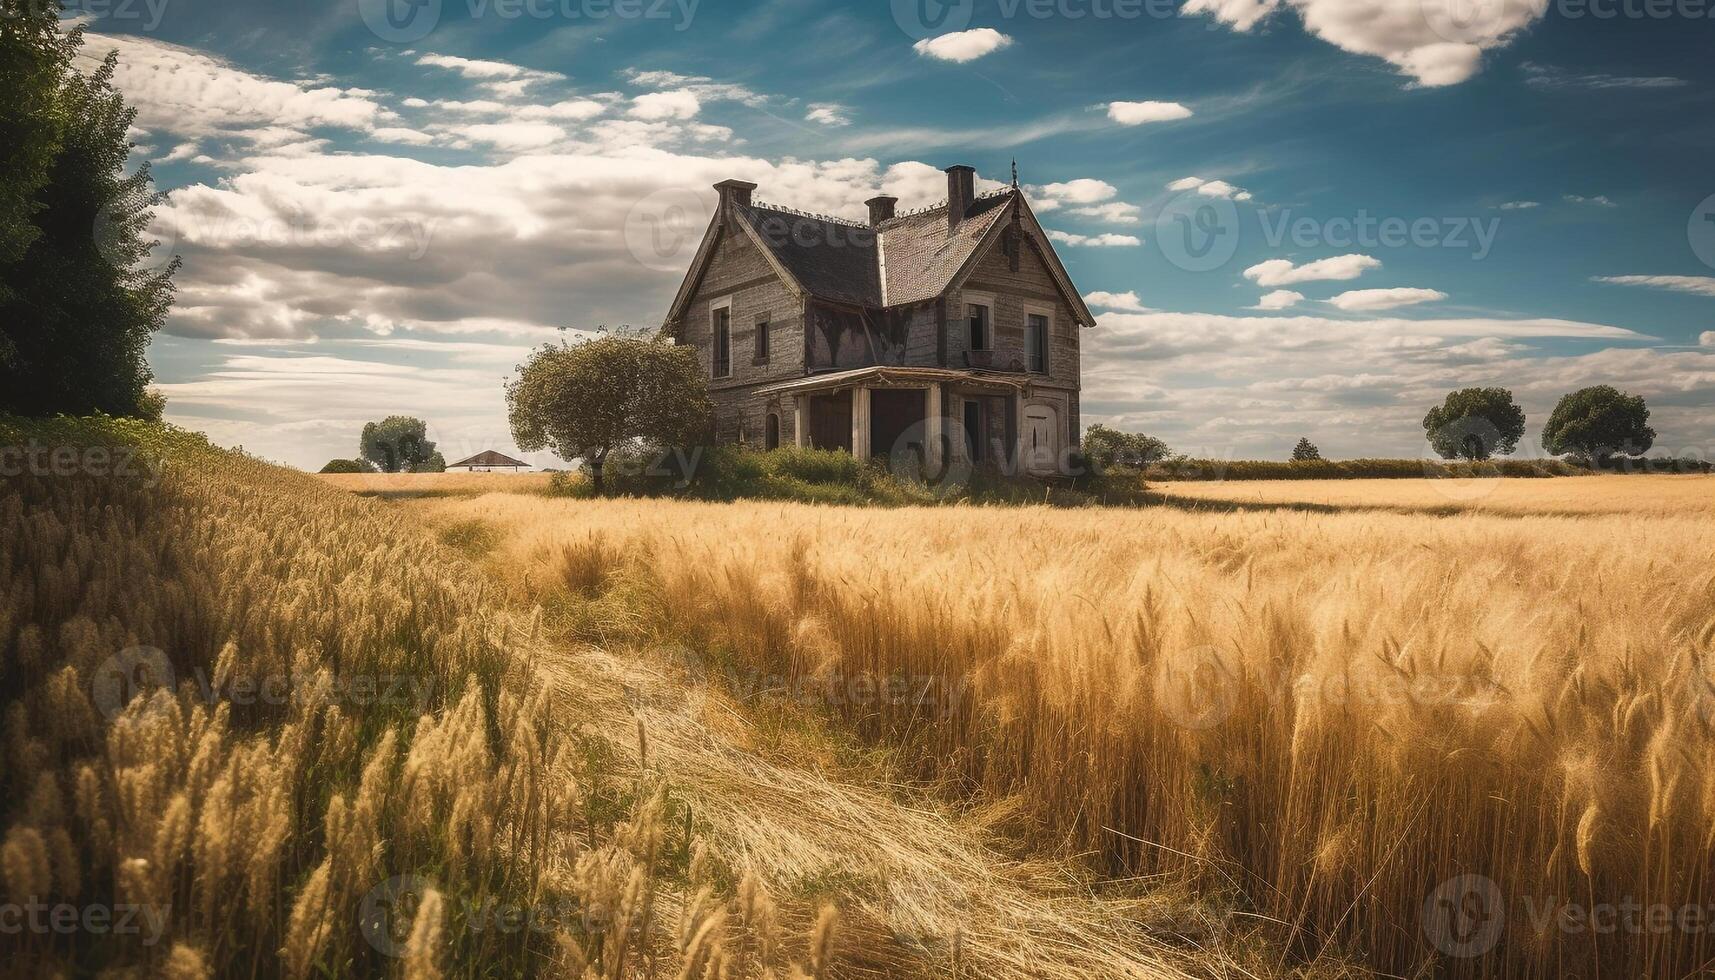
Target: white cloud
<point>1116,212</point>
<point>1281,272</point>
<point>1707,338</point>
<point>1552,78</point>
<point>500,77</point>
<point>183,151</point>
<point>1107,240</point>
<point>1083,190</point>
<point>1126,301</point>
<point>1279,299</point>
<point>1519,205</point>
<point>402,134</point>
<point>678,104</point>
<point>703,87</point>
<point>1435,42</point>
<point>1385,299</point>
<point>1699,285</point>
<point>1599,201</point>
<point>827,113</point>
<point>962,46</point>
<point>1210,188</point>
<point>1140,113</point>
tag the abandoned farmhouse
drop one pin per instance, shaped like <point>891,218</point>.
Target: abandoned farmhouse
<point>950,329</point>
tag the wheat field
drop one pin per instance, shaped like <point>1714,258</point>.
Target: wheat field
<point>1341,725</point>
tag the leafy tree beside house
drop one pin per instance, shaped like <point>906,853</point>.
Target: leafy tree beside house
<point>1305,451</point>
<point>348,466</point>
<point>587,399</point>
<point>399,444</point>
<point>77,296</point>
<point>1107,449</point>
<point>1475,424</point>
<point>1597,424</point>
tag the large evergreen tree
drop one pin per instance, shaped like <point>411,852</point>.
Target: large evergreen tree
<point>77,306</point>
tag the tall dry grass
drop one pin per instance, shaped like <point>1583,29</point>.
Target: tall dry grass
<point>253,726</point>
<point>1318,719</point>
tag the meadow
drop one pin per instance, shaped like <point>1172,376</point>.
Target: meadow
<point>1354,719</point>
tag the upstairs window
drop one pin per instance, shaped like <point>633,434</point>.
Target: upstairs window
<point>762,340</point>
<point>979,315</point>
<point>1036,342</point>
<point>723,342</point>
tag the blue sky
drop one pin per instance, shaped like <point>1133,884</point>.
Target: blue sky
<point>1400,196</point>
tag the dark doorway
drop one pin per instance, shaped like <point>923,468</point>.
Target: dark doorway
<point>831,421</point>
<point>771,431</point>
<point>892,413</point>
<point>974,429</point>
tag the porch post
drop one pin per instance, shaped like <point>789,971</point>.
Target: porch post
<point>1015,431</point>
<point>800,419</point>
<point>933,426</point>
<point>860,423</point>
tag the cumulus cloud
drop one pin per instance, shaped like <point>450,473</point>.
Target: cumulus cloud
<point>1281,272</point>
<point>703,87</point>
<point>677,104</point>
<point>500,77</point>
<point>1599,201</point>
<point>962,46</point>
<point>1519,205</point>
<point>1140,113</point>
<point>1114,212</point>
<point>1210,188</point>
<point>1125,302</point>
<point>827,113</point>
<point>1107,240</point>
<point>1699,285</point>
<point>1083,190</point>
<point>1434,42</point>
<point>1385,299</point>
<point>1279,299</point>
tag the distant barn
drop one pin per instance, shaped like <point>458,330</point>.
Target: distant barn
<point>488,460</point>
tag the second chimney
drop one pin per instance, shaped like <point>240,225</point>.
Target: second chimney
<point>961,192</point>
<point>736,191</point>
<point>880,208</point>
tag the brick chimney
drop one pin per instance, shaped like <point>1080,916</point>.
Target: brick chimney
<point>961,191</point>
<point>736,191</point>
<point>880,209</point>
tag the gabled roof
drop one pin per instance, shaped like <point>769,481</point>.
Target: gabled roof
<point>913,258</point>
<point>489,457</point>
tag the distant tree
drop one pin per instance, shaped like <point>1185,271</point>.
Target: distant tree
<point>397,443</point>
<point>1107,448</point>
<point>436,463</point>
<point>1598,423</point>
<point>1475,424</point>
<point>584,400</point>
<point>76,296</point>
<point>348,466</point>
<point>1305,451</point>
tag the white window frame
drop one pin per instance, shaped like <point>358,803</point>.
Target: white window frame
<point>715,306</point>
<point>1047,313</point>
<point>970,299</point>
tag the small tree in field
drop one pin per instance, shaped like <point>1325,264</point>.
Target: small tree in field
<point>587,399</point>
<point>1474,424</point>
<point>398,443</point>
<point>1305,451</point>
<point>1107,448</point>
<point>1596,424</point>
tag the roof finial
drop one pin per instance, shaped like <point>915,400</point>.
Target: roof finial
<point>1015,173</point>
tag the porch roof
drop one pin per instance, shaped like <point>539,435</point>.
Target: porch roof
<point>885,376</point>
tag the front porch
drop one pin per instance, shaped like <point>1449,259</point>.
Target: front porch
<point>974,416</point>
